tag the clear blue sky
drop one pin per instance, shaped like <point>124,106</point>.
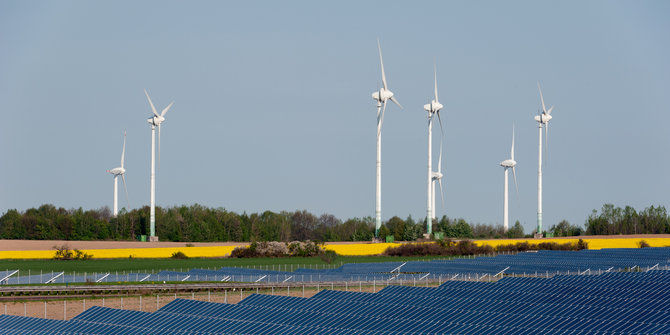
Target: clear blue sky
<point>273,109</point>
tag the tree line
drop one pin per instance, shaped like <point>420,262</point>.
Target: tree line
<point>616,220</point>
<point>197,223</point>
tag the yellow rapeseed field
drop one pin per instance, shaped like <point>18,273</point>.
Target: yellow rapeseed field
<point>220,251</point>
<point>594,243</point>
<point>358,249</point>
<point>362,249</point>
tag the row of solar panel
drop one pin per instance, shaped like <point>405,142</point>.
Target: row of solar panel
<point>455,307</point>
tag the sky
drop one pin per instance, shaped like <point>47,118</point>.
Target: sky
<point>273,109</point>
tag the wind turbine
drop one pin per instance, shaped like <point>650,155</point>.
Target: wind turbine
<point>542,119</point>
<point>381,96</point>
<point>508,164</point>
<point>120,171</point>
<point>155,120</point>
<point>432,108</point>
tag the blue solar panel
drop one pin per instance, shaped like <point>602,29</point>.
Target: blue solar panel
<point>609,302</point>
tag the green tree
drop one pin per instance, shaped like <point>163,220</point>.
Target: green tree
<point>516,231</point>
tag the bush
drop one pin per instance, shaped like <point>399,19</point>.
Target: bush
<point>261,249</point>
<point>178,255</point>
<point>63,253</point>
<point>643,244</point>
<point>581,245</point>
<point>416,249</point>
<point>280,249</point>
<point>448,247</point>
<point>304,249</point>
<point>328,256</point>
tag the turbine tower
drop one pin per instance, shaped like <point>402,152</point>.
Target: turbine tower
<point>507,164</point>
<point>116,172</point>
<point>542,119</point>
<point>155,120</point>
<point>432,108</point>
<point>381,96</point>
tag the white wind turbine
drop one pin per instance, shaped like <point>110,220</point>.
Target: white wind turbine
<point>381,96</point>
<point>432,108</point>
<point>542,120</point>
<point>508,164</point>
<point>155,120</point>
<point>120,171</point>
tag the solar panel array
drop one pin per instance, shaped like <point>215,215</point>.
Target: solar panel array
<point>609,303</point>
<point>547,262</point>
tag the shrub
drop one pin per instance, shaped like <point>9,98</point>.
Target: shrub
<point>261,249</point>
<point>416,249</point>
<point>63,253</point>
<point>581,245</point>
<point>643,244</point>
<point>304,249</point>
<point>448,247</point>
<point>179,255</point>
<point>244,252</point>
<point>280,249</point>
<point>328,256</point>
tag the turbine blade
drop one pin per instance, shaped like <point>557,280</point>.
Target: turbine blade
<point>541,98</point>
<point>381,122</point>
<point>515,183</point>
<point>439,161</point>
<point>166,109</point>
<point>441,192</point>
<point>550,109</point>
<point>123,176</point>
<point>159,145</point>
<point>436,99</point>
<point>546,144</point>
<point>396,102</point>
<point>512,151</point>
<point>439,118</point>
<point>153,109</point>
<point>123,152</point>
<point>381,61</point>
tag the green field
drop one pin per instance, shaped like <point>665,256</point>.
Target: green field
<point>149,265</point>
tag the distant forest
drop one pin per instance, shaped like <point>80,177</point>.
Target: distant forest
<point>199,224</point>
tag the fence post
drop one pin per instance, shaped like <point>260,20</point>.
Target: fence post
<point>140,303</point>
<point>64,309</point>
<point>225,296</point>
<point>45,309</point>
<point>84,305</point>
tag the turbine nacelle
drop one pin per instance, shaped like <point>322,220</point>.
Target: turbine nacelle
<point>433,107</point>
<point>543,118</point>
<point>437,175</point>
<point>382,95</point>
<point>117,171</point>
<point>156,120</point>
<point>508,163</point>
